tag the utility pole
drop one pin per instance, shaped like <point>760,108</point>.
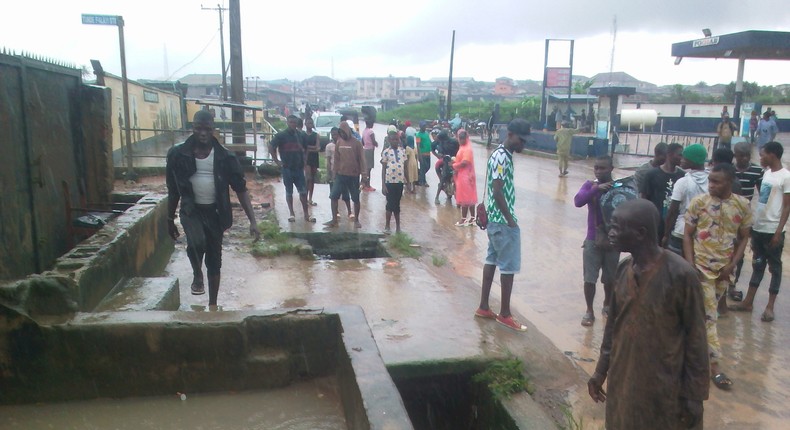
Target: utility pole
<point>221,11</point>
<point>236,74</point>
<point>450,86</point>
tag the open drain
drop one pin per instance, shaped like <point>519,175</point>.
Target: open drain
<point>344,246</point>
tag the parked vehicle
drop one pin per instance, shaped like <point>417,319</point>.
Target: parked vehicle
<point>324,121</point>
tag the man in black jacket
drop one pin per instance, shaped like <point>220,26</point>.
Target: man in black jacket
<point>199,172</point>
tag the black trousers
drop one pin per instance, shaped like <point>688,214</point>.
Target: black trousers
<point>204,238</point>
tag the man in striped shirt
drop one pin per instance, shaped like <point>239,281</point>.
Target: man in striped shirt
<point>750,176</point>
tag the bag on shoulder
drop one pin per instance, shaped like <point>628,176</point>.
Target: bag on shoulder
<point>602,238</point>
<point>481,217</point>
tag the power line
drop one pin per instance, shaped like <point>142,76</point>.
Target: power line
<point>202,51</point>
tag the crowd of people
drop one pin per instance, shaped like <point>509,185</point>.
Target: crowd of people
<point>686,234</point>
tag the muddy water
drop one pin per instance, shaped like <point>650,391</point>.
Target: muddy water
<point>306,406</point>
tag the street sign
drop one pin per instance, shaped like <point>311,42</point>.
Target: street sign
<point>558,77</point>
<point>100,19</point>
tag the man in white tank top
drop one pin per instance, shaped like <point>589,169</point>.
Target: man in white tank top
<point>199,173</point>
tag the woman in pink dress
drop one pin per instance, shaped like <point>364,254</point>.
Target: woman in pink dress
<point>465,182</point>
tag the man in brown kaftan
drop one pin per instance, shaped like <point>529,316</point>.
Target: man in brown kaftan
<point>654,351</point>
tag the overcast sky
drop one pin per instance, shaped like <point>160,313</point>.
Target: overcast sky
<point>299,39</point>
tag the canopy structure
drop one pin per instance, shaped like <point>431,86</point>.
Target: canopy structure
<point>751,45</point>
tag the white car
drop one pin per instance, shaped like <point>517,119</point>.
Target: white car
<point>324,121</point>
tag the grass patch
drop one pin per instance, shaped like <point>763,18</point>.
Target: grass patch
<point>571,423</point>
<point>402,242</point>
<point>438,260</point>
<point>504,377</point>
<point>274,242</point>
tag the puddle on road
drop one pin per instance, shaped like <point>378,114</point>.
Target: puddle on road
<point>307,405</point>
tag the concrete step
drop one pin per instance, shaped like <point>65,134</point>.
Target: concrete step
<point>142,294</point>
<point>268,367</point>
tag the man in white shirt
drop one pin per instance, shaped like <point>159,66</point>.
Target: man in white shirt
<point>773,208</point>
<point>686,188</point>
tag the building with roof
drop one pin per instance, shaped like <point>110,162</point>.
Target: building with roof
<point>320,83</point>
<point>384,88</point>
<point>415,94</point>
<point>203,84</point>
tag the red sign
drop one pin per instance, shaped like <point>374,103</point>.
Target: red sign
<point>558,77</point>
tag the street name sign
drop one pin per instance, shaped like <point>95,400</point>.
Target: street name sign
<point>99,19</point>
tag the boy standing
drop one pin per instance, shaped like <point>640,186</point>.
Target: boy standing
<point>393,176</point>
<point>597,256</point>
<point>717,225</point>
<point>768,234</point>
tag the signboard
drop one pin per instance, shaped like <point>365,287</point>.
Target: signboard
<point>100,19</point>
<point>558,77</point>
<point>150,96</point>
<point>708,41</point>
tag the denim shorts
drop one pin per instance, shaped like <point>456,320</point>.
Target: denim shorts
<point>291,178</point>
<point>595,260</point>
<point>345,185</point>
<point>504,248</point>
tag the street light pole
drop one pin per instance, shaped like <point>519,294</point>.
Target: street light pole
<point>221,10</point>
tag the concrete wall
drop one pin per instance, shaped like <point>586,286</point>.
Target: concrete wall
<point>53,134</point>
<point>149,108</point>
<point>127,354</point>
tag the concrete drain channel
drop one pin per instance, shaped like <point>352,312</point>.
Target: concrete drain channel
<point>344,246</point>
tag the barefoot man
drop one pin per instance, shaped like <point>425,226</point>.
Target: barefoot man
<point>654,351</point>
<point>349,164</point>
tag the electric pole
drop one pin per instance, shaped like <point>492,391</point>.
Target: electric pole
<point>221,10</point>
<point>450,81</point>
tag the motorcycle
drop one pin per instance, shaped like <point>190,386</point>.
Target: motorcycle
<point>446,182</point>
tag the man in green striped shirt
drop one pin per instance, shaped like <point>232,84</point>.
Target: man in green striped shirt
<point>504,236</point>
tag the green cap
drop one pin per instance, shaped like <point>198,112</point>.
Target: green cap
<point>696,153</point>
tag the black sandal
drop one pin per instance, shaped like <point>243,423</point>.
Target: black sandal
<point>735,295</point>
<point>721,381</point>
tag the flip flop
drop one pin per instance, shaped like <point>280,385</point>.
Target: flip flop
<point>310,219</point>
<point>330,224</point>
<point>735,295</point>
<point>312,203</point>
<point>197,289</point>
<point>721,381</point>
<point>767,316</point>
<point>588,319</point>
<point>291,219</point>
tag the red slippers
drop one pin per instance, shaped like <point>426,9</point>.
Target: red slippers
<point>511,323</point>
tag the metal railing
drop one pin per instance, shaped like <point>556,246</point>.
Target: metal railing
<point>636,143</point>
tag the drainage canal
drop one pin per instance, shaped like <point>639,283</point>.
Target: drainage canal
<point>452,401</point>
<point>344,246</point>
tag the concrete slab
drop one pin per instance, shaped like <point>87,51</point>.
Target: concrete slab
<point>143,294</point>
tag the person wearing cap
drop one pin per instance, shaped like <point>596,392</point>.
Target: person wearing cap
<point>393,176</point>
<point>504,235</point>
<point>725,130</point>
<point>692,184</point>
<point>563,137</point>
<point>369,146</point>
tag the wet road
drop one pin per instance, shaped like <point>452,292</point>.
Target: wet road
<point>420,311</point>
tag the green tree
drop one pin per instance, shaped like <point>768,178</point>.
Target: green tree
<point>580,87</point>
<point>750,91</point>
